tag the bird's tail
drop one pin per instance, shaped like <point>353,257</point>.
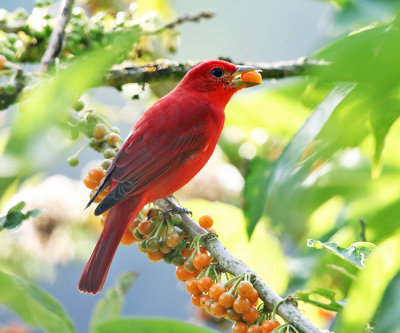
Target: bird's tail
<point>117,222</point>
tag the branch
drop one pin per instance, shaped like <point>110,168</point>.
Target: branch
<point>170,70</point>
<point>174,71</point>
<point>56,38</point>
<point>229,263</point>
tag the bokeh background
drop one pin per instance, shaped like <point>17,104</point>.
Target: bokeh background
<point>54,253</point>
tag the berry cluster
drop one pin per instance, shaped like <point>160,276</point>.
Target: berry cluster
<point>102,136</point>
<point>30,33</point>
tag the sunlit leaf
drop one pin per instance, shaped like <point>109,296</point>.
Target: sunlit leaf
<point>153,325</point>
<point>327,296</point>
<point>33,305</point>
<point>367,290</point>
<point>110,306</point>
<point>15,216</point>
<point>356,254</point>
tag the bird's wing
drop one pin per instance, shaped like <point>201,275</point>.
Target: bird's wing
<point>152,151</point>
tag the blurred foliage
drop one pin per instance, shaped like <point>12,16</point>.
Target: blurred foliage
<point>33,305</point>
<point>15,216</point>
<point>316,153</point>
<point>142,325</point>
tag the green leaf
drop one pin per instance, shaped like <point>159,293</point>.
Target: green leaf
<point>367,290</point>
<point>386,319</point>
<point>356,254</point>
<point>33,305</point>
<point>292,154</point>
<point>111,305</point>
<point>326,294</point>
<point>254,195</point>
<point>34,141</point>
<point>153,325</point>
<point>15,217</point>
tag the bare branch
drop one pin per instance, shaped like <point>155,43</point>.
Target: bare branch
<point>56,38</point>
<point>229,263</point>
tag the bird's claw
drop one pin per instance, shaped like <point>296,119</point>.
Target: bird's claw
<point>178,210</point>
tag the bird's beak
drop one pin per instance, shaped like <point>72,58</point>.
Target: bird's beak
<point>238,82</point>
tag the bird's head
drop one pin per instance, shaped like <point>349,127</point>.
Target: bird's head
<point>218,79</point>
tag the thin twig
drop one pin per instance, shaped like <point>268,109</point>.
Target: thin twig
<point>362,231</point>
<point>56,38</point>
<point>183,19</point>
<point>229,263</point>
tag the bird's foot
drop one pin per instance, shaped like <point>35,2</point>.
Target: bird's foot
<point>178,210</point>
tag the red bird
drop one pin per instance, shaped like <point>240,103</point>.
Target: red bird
<point>167,147</point>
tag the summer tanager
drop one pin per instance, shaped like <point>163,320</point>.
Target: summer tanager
<point>167,147</point>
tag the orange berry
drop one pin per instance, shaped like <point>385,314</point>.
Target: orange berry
<point>3,60</point>
<point>251,315</point>
<point>255,328</point>
<point>241,305</point>
<point>207,305</point>
<point>173,239</point>
<point>204,283</point>
<point>239,327</point>
<point>97,199</point>
<point>253,297</point>
<point>217,309</point>
<point>89,183</point>
<point>251,77</point>
<point>216,290</point>
<point>269,325</point>
<point>127,238</point>
<point>226,299</point>
<point>96,174</point>
<point>232,315</point>
<point>156,256</point>
<point>192,288</point>
<point>99,131</point>
<point>245,288</point>
<point>144,227</point>
<point>203,300</point>
<point>182,274</point>
<point>113,139</point>
<point>206,221</point>
<point>201,261</point>
<point>196,300</point>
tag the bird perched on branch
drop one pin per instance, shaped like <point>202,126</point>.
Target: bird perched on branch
<point>167,147</point>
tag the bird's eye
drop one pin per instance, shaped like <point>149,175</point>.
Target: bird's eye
<point>217,72</point>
